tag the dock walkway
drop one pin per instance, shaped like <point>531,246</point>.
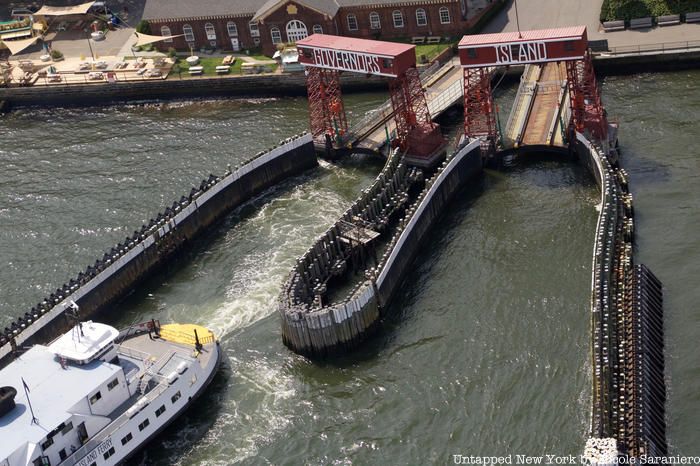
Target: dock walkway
<point>540,109</point>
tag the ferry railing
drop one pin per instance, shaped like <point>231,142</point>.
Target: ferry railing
<point>186,338</point>
<point>133,353</point>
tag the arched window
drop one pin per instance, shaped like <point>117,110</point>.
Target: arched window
<point>352,23</point>
<point>254,31</point>
<point>296,30</point>
<point>187,31</point>
<point>232,29</point>
<point>421,17</point>
<point>211,32</point>
<point>444,15</point>
<point>398,18</point>
<point>276,35</point>
<point>165,32</point>
<point>374,21</point>
<point>318,29</point>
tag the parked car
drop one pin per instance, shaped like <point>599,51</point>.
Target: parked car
<point>99,8</point>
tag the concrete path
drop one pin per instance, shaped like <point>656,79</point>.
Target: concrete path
<point>544,14</point>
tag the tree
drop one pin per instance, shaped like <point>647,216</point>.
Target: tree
<point>143,27</point>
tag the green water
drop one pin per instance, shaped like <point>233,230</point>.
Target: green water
<point>485,350</point>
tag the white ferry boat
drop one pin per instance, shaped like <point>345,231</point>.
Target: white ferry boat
<point>95,395</point>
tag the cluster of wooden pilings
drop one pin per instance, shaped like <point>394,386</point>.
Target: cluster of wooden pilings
<point>332,299</point>
<point>626,320</point>
<point>342,259</point>
<point>644,364</point>
<point>139,254</point>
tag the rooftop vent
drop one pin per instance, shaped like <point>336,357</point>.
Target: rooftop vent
<point>7,400</point>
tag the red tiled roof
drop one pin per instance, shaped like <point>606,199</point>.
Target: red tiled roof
<point>574,32</point>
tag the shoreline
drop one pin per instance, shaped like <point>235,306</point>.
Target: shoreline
<point>276,85</point>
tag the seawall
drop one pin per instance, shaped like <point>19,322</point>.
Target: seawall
<point>626,325</point>
<point>282,85</point>
<point>318,330</point>
<point>120,269</point>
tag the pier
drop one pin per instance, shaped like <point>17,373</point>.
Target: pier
<point>335,296</point>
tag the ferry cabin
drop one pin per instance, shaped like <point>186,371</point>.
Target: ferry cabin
<point>93,402</point>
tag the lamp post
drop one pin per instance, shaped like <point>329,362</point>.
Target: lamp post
<point>92,54</point>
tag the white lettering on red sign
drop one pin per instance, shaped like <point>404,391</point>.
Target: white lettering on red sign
<point>349,61</point>
<point>524,52</point>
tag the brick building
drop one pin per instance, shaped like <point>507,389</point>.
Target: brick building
<point>244,24</point>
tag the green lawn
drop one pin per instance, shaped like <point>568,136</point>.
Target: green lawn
<point>629,9</point>
<point>430,51</point>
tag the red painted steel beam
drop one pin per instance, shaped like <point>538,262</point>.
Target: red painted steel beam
<point>479,110</point>
<point>416,132</point>
<point>587,112</point>
<point>326,109</point>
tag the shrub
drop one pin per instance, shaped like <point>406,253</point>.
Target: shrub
<point>172,53</point>
<point>56,54</point>
<point>143,27</point>
<point>630,9</point>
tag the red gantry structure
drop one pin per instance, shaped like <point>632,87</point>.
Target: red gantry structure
<point>325,57</point>
<point>480,54</point>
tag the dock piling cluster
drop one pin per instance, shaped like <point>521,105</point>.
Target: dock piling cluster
<point>626,322</point>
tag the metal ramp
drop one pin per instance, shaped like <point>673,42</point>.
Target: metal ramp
<point>541,110</point>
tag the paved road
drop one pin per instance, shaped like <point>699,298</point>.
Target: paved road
<point>543,14</point>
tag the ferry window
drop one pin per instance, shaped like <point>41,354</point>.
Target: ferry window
<point>47,444</point>
<point>387,63</point>
<point>127,438</point>
<point>112,384</point>
<point>62,454</point>
<point>67,428</point>
<point>94,398</point>
<point>160,410</point>
<point>471,53</point>
<point>144,424</point>
<point>108,453</point>
<point>176,397</point>
<point>42,461</point>
<point>569,45</point>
